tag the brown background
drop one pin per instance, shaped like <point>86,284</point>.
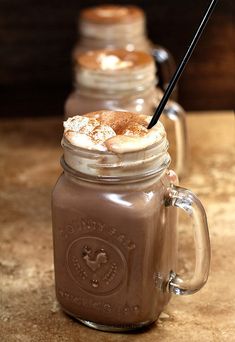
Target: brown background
<point>36,38</point>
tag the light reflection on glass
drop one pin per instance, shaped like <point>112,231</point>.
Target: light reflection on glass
<point>149,195</point>
<point>117,199</point>
<point>140,101</point>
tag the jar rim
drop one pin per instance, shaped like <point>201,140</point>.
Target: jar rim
<point>65,143</point>
<point>136,163</point>
<point>127,179</point>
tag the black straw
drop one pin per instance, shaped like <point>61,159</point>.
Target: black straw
<point>180,68</point>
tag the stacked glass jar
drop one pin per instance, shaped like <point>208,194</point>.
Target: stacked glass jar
<point>122,27</point>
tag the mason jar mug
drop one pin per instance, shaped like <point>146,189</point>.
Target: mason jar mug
<point>114,230</point>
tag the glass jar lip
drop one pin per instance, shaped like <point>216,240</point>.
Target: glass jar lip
<point>115,179</point>
<point>65,143</point>
<point>110,165</point>
<point>127,95</point>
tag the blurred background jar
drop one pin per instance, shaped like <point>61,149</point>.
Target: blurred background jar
<point>115,26</point>
<point>123,80</point>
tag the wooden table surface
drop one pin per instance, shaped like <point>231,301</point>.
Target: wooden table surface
<point>29,166</point>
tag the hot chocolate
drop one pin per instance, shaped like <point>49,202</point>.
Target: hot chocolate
<point>114,227</point>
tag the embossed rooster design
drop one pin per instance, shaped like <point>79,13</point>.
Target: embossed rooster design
<point>94,260</point>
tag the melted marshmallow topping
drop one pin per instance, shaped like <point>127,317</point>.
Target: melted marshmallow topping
<point>117,132</point>
<point>112,62</point>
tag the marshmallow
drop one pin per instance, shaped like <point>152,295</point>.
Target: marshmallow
<point>79,123</point>
<point>87,132</point>
<point>117,132</point>
<point>112,62</point>
<point>101,133</point>
<point>132,140</point>
<point>85,141</point>
<point>135,129</point>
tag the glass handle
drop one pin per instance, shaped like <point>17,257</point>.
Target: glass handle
<point>175,113</point>
<point>186,200</point>
<point>165,67</point>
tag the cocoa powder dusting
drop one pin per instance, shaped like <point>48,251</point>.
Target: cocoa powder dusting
<point>121,121</point>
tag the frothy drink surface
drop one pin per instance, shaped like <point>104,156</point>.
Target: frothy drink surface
<point>114,60</point>
<point>113,131</point>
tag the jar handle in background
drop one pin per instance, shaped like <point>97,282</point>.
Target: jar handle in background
<point>165,67</point>
<point>174,112</point>
<point>186,200</point>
